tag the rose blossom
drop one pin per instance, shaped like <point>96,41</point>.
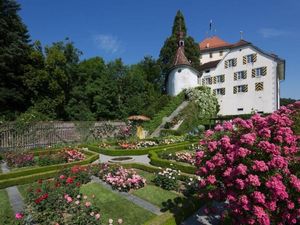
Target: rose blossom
<point>97,216</point>
<point>19,216</point>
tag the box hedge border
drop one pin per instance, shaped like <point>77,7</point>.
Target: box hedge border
<point>9,179</point>
<point>157,161</point>
<point>144,151</point>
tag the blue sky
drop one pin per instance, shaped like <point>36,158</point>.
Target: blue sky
<point>133,29</point>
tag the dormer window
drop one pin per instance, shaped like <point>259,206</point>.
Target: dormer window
<point>207,71</point>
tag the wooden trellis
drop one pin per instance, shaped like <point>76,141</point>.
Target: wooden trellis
<point>51,133</point>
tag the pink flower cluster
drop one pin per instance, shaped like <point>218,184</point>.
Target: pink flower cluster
<point>185,157</point>
<point>73,155</point>
<point>249,164</point>
<point>123,179</point>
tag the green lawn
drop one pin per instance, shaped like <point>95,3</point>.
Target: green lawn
<point>23,189</point>
<point>6,213</point>
<point>156,195</point>
<point>115,206</point>
<point>148,176</point>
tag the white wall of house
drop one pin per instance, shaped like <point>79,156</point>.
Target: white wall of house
<point>246,102</point>
<point>181,77</point>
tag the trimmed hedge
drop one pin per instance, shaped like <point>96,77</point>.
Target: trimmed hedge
<point>144,151</point>
<point>157,161</point>
<point>26,179</point>
<point>37,170</point>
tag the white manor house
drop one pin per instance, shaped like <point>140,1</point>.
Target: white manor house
<point>244,78</point>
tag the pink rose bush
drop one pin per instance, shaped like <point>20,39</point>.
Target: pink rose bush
<point>186,157</point>
<point>120,178</point>
<point>250,164</point>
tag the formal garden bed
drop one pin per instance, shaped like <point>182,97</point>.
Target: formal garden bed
<point>251,164</point>
<point>15,159</point>
<point>29,174</point>
<point>81,200</point>
<point>112,150</point>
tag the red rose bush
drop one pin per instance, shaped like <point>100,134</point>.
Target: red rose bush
<point>248,165</point>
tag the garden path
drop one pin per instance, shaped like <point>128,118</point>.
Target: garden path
<point>14,195</point>
<point>136,200</point>
<point>136,158</point>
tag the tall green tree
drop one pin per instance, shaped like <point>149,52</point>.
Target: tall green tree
<point>14,52</point>
<point>50,77</point>
<point>168,51</point>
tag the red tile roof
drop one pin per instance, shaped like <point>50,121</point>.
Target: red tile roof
<point>240,43</point>
<point>180,58</point>
<point>213,42</point>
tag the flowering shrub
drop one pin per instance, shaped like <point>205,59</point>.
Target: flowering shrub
<point>104,145</point>
<point>247,163</point>
<point>171,139</point>
<point>19,159</point>
<point>186,157</point>
<point>73,155</point>
<point>58,201</point>
<point>22,159</point>
<point>167,179</point>
<point>120,178</point>
<point>137,145</point>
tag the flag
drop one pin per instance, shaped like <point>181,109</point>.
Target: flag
<point>210,25</point>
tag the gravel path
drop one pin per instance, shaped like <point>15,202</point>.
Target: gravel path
<point>14,195</point>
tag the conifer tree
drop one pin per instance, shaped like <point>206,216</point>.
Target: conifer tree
<point>14,52</point>
<point>168,51</point>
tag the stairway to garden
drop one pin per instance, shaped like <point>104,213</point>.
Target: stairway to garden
<point>169,118</point>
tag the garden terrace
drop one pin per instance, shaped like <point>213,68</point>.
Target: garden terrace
<point>142,151</point>
<point>30,174</point>
<point>174,206</point>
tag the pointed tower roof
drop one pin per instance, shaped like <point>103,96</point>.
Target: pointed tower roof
<point>180,58</point>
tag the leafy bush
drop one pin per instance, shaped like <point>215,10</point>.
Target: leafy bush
<point>19,159</point>
<point>49,158</point>
<point>167,179</point>
<point>248,163</point>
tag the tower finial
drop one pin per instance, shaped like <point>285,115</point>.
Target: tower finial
<point>181,34</point>
<point>241,35</point>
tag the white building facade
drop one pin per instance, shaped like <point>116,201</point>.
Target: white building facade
<point>244,78</point>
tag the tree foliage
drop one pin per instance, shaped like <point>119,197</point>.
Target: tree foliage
<point>14,51</point>
<point>168,51</point>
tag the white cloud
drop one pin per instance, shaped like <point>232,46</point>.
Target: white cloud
<point>272,32</point>
<point>108,43</point>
